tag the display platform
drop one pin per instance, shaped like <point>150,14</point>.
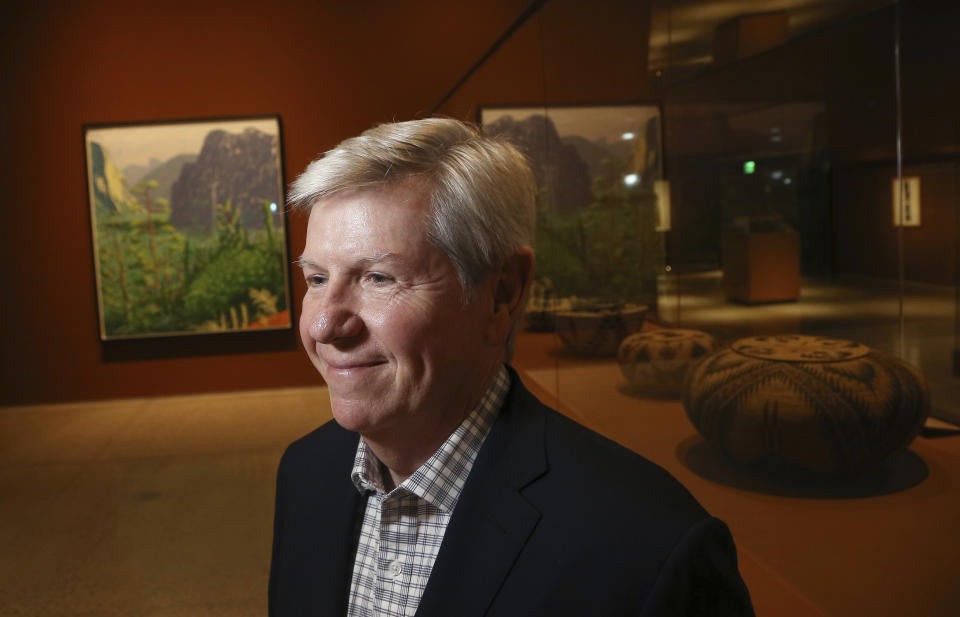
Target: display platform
<point>882,544</point>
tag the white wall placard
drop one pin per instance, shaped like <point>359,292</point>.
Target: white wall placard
<point>907,212</point>
<point>661,189</point>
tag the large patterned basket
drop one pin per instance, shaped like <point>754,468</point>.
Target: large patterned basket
<point>821,404</point>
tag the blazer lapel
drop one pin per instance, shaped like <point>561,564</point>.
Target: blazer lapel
<point>492,520</point>
<point>337,548</point>
<point>313,559</point>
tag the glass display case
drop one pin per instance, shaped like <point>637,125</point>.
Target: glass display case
<point>806,314</point>
<point>760,195</point>
<point>600,217</point>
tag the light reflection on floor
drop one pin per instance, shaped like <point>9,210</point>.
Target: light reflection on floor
<point>865,310</point>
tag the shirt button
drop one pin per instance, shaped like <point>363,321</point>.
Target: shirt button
<point>395,569</point>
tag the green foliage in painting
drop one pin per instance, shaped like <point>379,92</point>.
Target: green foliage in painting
<point>141,268</point>
<point>607,252</point>
<point>238,267</point>
<point>155,279</point>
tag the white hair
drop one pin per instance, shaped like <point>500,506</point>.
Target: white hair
<point>482,192</point>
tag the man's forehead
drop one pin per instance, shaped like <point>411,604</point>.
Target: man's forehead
<point>375,207</point>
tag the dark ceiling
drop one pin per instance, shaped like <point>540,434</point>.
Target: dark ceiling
<point>681,32</point>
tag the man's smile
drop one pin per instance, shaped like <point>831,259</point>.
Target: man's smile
<point>342,366</point>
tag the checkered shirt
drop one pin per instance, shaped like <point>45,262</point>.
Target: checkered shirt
<point>402,530</point>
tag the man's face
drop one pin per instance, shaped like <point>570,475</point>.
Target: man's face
<point>383,318</point>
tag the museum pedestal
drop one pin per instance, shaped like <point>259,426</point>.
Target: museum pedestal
<point>761,266</point>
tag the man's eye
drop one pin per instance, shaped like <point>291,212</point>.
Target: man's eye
<point>378,278</point>
<point>314,280</point>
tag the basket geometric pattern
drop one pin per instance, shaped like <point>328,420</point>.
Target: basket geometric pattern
<point>657,361</point>
<point>822,404</point>
<point>599,332</point>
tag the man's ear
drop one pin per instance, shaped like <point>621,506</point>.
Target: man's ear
<point>510,292</point>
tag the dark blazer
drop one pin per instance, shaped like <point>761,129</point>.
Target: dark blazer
<point>553,520</point>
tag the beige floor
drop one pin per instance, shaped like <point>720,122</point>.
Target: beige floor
<point>163,507</point>
<point>152,507</point>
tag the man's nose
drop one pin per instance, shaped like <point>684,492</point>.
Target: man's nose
<point>335,320</point>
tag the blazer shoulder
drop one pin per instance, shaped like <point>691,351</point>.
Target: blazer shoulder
<point>579,461</point>
<point>616,469</point>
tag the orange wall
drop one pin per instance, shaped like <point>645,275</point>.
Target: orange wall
<point>570,52</point>
<point>863,129</point>
<point>871,245</point>
<point>330,69</point>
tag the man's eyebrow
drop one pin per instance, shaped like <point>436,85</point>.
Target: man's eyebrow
<point>304,262</point>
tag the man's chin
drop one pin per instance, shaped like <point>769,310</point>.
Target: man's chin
<point>357,415</point>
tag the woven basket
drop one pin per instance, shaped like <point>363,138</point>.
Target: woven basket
<point>598,332</point>
<point>657,361</point>
<point>821,404</point>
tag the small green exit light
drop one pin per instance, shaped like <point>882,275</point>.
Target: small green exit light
<point>749,167</point>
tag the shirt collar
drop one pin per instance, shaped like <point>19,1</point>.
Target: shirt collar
<point>439,481</point>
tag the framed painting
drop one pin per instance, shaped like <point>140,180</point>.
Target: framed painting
<point>189,227</point>
<point>603,204</point>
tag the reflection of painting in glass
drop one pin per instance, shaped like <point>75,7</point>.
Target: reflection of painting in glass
<point>188,227</point>
<point>597,218</point>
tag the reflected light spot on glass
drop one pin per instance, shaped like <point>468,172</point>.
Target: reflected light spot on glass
<point>627,136</point>
<point>273,206</point>
<point>776,175</point>
<point>787,181</point>
<point>631,179</point>
<point>776,139</point>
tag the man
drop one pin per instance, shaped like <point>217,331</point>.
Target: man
<point>444,487</point>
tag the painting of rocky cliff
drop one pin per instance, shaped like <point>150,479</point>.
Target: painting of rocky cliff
<point>599,169</point>
<point>189,230</point>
